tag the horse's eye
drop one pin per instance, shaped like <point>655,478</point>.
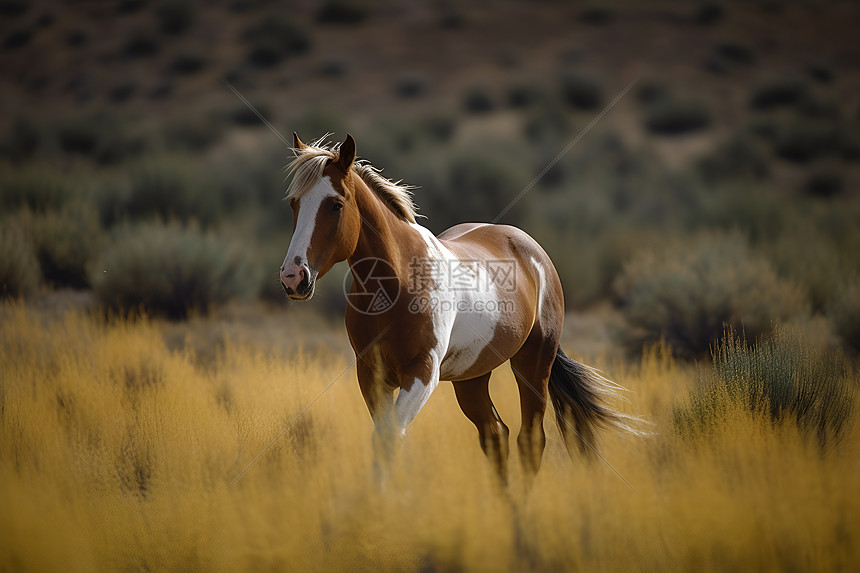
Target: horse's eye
<point>337,207</point>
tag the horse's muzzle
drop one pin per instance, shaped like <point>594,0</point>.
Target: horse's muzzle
<point>298,282</point>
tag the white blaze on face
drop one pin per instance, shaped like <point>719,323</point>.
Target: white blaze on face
<point>309,206</point>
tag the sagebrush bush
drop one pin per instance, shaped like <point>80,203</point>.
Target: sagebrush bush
<point>343,12</point>
<point>844,313</point>
<point>187,63</point>
<point>175,16</point>
<point>19,268</point>
<point>100,137</point>
<point>192,133</point>
<point>781,377</point>
<point>823,184</point>
<point>802,141</point>
<point>410,86</point>
<point>812,259</point>
<point>21,139</point>
<point>478,186</point>
<point>141,44</point>
<point>171,270</point>
<point>160,188</point>
<point>687,292</point>
<point>738,158</point>
<point>778,92</point>
<point>581,92</point>
<point>34,187</point>
<point>66,241</point>
<point>735,52</point>
<point>524,95</point>
<point>676,117</point>
<point>478,100</point>
<point>273,39</point>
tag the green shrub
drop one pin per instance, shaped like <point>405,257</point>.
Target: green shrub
<point>439,128</point>
<point>333,68</point>
<point>66,241</point>
<point>171,270</point>
<point>782,378</point>
<point>19,268</point>
<point>246,117</point>
<point>812,259</point>
<point>738,158</point>
<point>192,133</point>
<point>820,72</point>
<point>596,14</point>
<point>824,184</point>
<point>816,107</point>
<point>677,117</point>
<point>343,12</point>
<point>844,313</point>
<point>478,187</point>
<point>187,63</point>
<point>524,95</point>
<point>273,39</point>
<point>165,189</point>
<point>21,140</point>
<point>175,16</point>
<point>410,86</point>
<point>478,100</point>
<point>122,92</point>
<point>650,92</point>
<point>100,137</point>
<point>802,141</point>
<point>18,38</point>
<point>778,92</point>
<point>709,13</point>
<point>547,124</point>
<point>141,44</point>
<point>35,187</point>
<point>580,92</point>
<point>688,291</point>
<point>735,52</point>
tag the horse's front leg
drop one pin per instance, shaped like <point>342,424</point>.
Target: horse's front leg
<point>417,382</point>
<point>379,397</point>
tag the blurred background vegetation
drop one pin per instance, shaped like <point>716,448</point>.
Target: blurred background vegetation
<point>721,190</point>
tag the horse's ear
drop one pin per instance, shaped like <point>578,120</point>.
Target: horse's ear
<point>347,153</point>
<point>298,143</point>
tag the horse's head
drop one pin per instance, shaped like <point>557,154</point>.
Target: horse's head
<point>326,222</point>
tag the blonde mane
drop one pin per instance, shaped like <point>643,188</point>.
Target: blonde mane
<point>310,161</point>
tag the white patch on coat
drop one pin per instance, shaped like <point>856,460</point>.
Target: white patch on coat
<point>409,402</point>
<point>464,319</point>
<point>541,285</point>
<point>309,207</point>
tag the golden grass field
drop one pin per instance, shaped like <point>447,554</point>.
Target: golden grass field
<point>115,454</point>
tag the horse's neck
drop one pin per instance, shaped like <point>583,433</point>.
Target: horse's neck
<point>383,234</point>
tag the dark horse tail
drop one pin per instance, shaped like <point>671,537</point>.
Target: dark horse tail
<point>579,396</point>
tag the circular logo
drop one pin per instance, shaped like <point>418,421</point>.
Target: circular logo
<point>375,287</point>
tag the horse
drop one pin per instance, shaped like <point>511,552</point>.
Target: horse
<point>451,307</point>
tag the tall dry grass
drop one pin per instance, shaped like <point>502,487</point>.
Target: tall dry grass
<point>115,453</point>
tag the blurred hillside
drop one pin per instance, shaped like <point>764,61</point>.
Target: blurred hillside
<point>722,188</point>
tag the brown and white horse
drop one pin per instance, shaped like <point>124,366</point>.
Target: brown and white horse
<point>453,307</point>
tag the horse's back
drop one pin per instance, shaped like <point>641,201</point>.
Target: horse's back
<point>486,240</point>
